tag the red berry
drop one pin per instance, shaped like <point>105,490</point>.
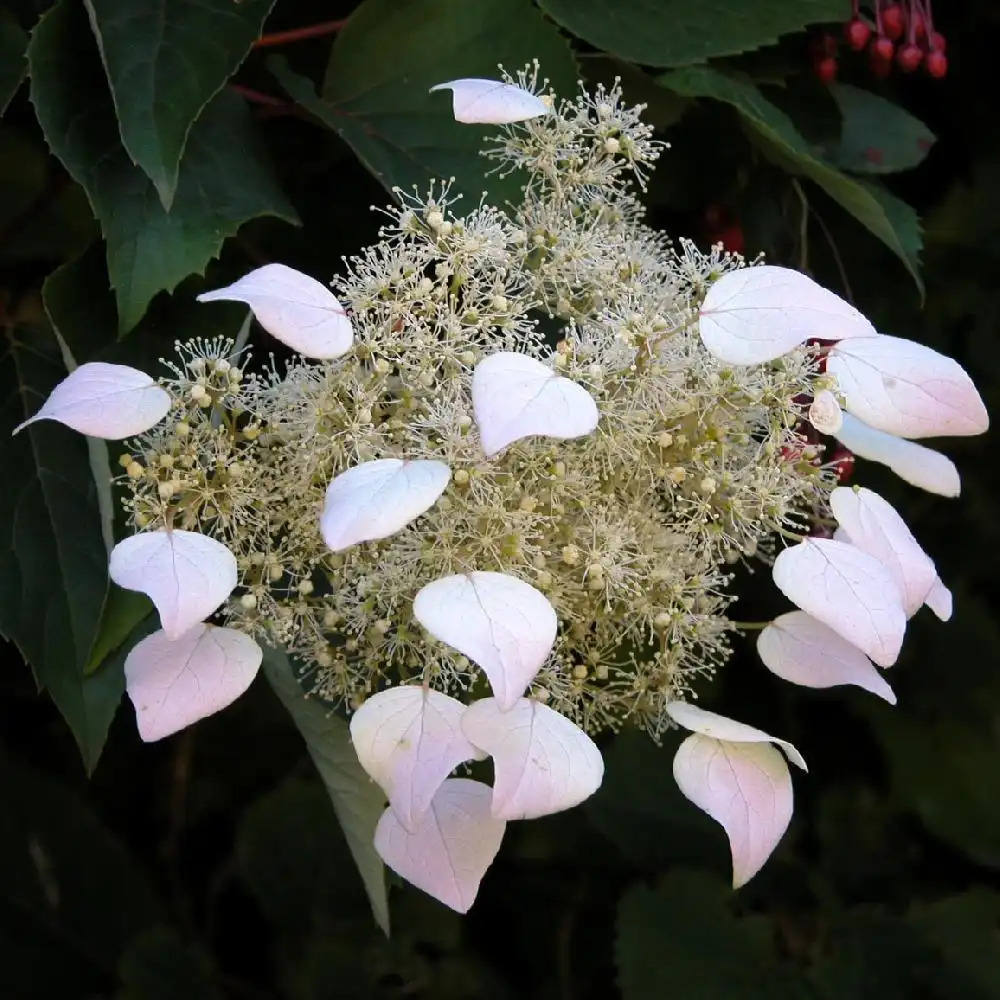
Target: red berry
<point>909,57</point>
<point>937,64</point>
<point>937,42</point>
<point>883,48</point>
<point>826,69</point>
<point>918,24</point>
<point>843,462</point>
<point>893,20</point>
<point>857,33</point>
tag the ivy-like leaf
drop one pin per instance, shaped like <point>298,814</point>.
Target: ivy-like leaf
<point>389,54</point>
<point>357,800</point>
<point>53,563</point>
<point>13,43</point>
<point>678,33</point>
<point>894,222</point>
<point>148,249</point>
<point>877,136</point>
<point>165,60</point>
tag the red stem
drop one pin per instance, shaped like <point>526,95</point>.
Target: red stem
<point>256,97</point>
<point>297,34</point>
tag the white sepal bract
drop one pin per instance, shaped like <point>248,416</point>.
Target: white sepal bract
<point>904,388</point>
<point>504,625</point>
<point>757,314</point>
<point>798,648</point>
<point>491,102</point>
<point>294,308</point>
<point>543,763</point>
<point>409,739</point>
<point>187,575</point>
<point>448,854</point>
<point>875,527</point>
<point>175,682</point>
<point>105,401</point>
<point>719,727</point>
<point>746,788</point>
<point>825,413</point>
<point>375,499</point>
<point>516,396</point>
<point>848,590</point>
<point>939,600</point>
<point>912,462</point>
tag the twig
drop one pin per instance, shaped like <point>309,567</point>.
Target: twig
<point>298,34</point>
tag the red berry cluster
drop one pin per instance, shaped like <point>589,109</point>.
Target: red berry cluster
<point>903,33</point>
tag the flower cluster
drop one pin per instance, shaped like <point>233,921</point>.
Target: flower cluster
<point>495,504</point>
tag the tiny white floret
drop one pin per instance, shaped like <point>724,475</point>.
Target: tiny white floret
<point>825,413</point>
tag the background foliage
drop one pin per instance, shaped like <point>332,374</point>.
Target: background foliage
<point>151,149</point>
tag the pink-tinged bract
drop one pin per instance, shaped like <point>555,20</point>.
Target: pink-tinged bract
<point>848,590</point>
<point>756,314</point>
<point>105,401</point>
<point>492,102</point>
<point>904,388</point>
<point>515,396</point>
<point>175,682</point>
<point>447,854</point>
<point>746,788</point>
<point>912,462</point>
<point>504,625</point>
<point>799,649</point>
<point>294,308</point>
<point>939,600</point>
<point>543,762</point>
<point>187,575</point>
<point>720,727</point>
<point>875,527</point>
<point>409,739</point>
<point>376,499</point>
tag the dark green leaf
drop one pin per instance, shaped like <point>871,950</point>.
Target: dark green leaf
<point>148,249</point>
<point>357,800</point>
<point>877,136</point>
<point>159,965</point>
<point>13,42</point>
<point>53,567</point>
<point>888,218</point>
<point>679,32</point>
<point>966,931</point>
<point>383,62</point>
<point>683,940</point>
<point>69,891</point>
<point>292,858</point>
<point>640,808</point>
<point>165,60</point>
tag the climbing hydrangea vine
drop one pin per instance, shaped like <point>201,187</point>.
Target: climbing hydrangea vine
<point>495,506</point>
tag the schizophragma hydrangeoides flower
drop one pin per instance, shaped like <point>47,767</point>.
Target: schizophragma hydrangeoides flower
<point>480,541</point>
